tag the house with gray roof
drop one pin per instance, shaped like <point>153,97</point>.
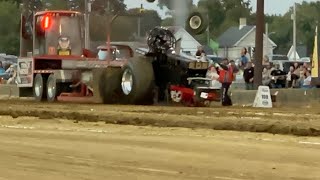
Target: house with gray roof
<point>301,52</point>
<point>185,41</point>
<point>235,38</point>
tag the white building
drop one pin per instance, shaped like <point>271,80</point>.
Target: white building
<point>301,52</point>
<point>186,41</point>
<point>235,38</point>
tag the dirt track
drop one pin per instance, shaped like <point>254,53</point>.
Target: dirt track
<point>304,121</point>
<point>51,149</point>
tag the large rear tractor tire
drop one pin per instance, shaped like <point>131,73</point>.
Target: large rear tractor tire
<point>196,23</point>
<point>109,85</point>
<point>131,84</point>
<point>53,88</point>
<point>39,87</point>
<point>137,82</point>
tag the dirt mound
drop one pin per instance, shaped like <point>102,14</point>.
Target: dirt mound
<point>237,119</point>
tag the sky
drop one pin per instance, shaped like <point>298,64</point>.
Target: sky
<point>271,6</point>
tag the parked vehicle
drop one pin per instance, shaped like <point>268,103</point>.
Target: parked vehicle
<point>278,57</point>
<point>285,65</point>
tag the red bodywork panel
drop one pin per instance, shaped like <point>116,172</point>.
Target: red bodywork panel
<point>84,96</point>
<point>189,97</point>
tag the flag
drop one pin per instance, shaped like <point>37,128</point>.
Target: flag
<point>315,57</point>
<point>214,46</point>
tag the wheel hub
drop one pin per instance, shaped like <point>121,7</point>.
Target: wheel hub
<point>51,89</point>
<point>127,82</point>
<point>37,88</point>
<point>195,22</point>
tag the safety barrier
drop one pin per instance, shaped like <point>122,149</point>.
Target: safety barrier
<point>281,97</point>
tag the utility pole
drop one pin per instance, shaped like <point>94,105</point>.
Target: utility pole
<point>259,44</point>
<point>294,18</point>
<point>267,41</point>
<point>139,20</point>
<point>208,29</point>
<point>87,23</point>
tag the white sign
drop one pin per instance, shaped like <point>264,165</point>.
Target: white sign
<point>25,72</point>
<point>204,95</point>
<point>263,98</point>
<point>176,96</point>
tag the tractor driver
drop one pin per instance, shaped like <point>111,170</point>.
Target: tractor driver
<point>200,54</point>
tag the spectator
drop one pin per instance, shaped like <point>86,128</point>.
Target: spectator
<point>243,58</point>
<point>307,66</point>
<point>296,66</point>
<point>265,77</point>
<point>226,77</point>
<point>278,77</point>
<point>200,52</point>
<point>234,66</point>
<point>265,60</point>
<point>248,76</point>
<point>214,76</point>
<point>296,75</point>
<point>290,77</point>
<point>266,74</point>
<point>307,80</point>
<point>301,70</point>
<point>2,70</point>
<point>12,74</point>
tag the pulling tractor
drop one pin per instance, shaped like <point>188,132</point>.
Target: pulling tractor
<point>54,65</point>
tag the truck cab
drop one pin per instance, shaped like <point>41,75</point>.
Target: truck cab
<point>56,36</point>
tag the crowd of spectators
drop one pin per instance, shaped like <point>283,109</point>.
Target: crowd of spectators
<point>274,76</point>
<point>298,76</point>
<point>8,73</point>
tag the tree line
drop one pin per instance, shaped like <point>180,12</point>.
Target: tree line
<point>222,15</point>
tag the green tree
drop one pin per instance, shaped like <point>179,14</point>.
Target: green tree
<point>119,30</point>
<point>149,19</point>
<point>282,25</point>
<point>56,4</point>
<point>9,31</point>
<point>169,21</point>
<point>102,6</point>
<point>307,19</point>
<point>224,13</point>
